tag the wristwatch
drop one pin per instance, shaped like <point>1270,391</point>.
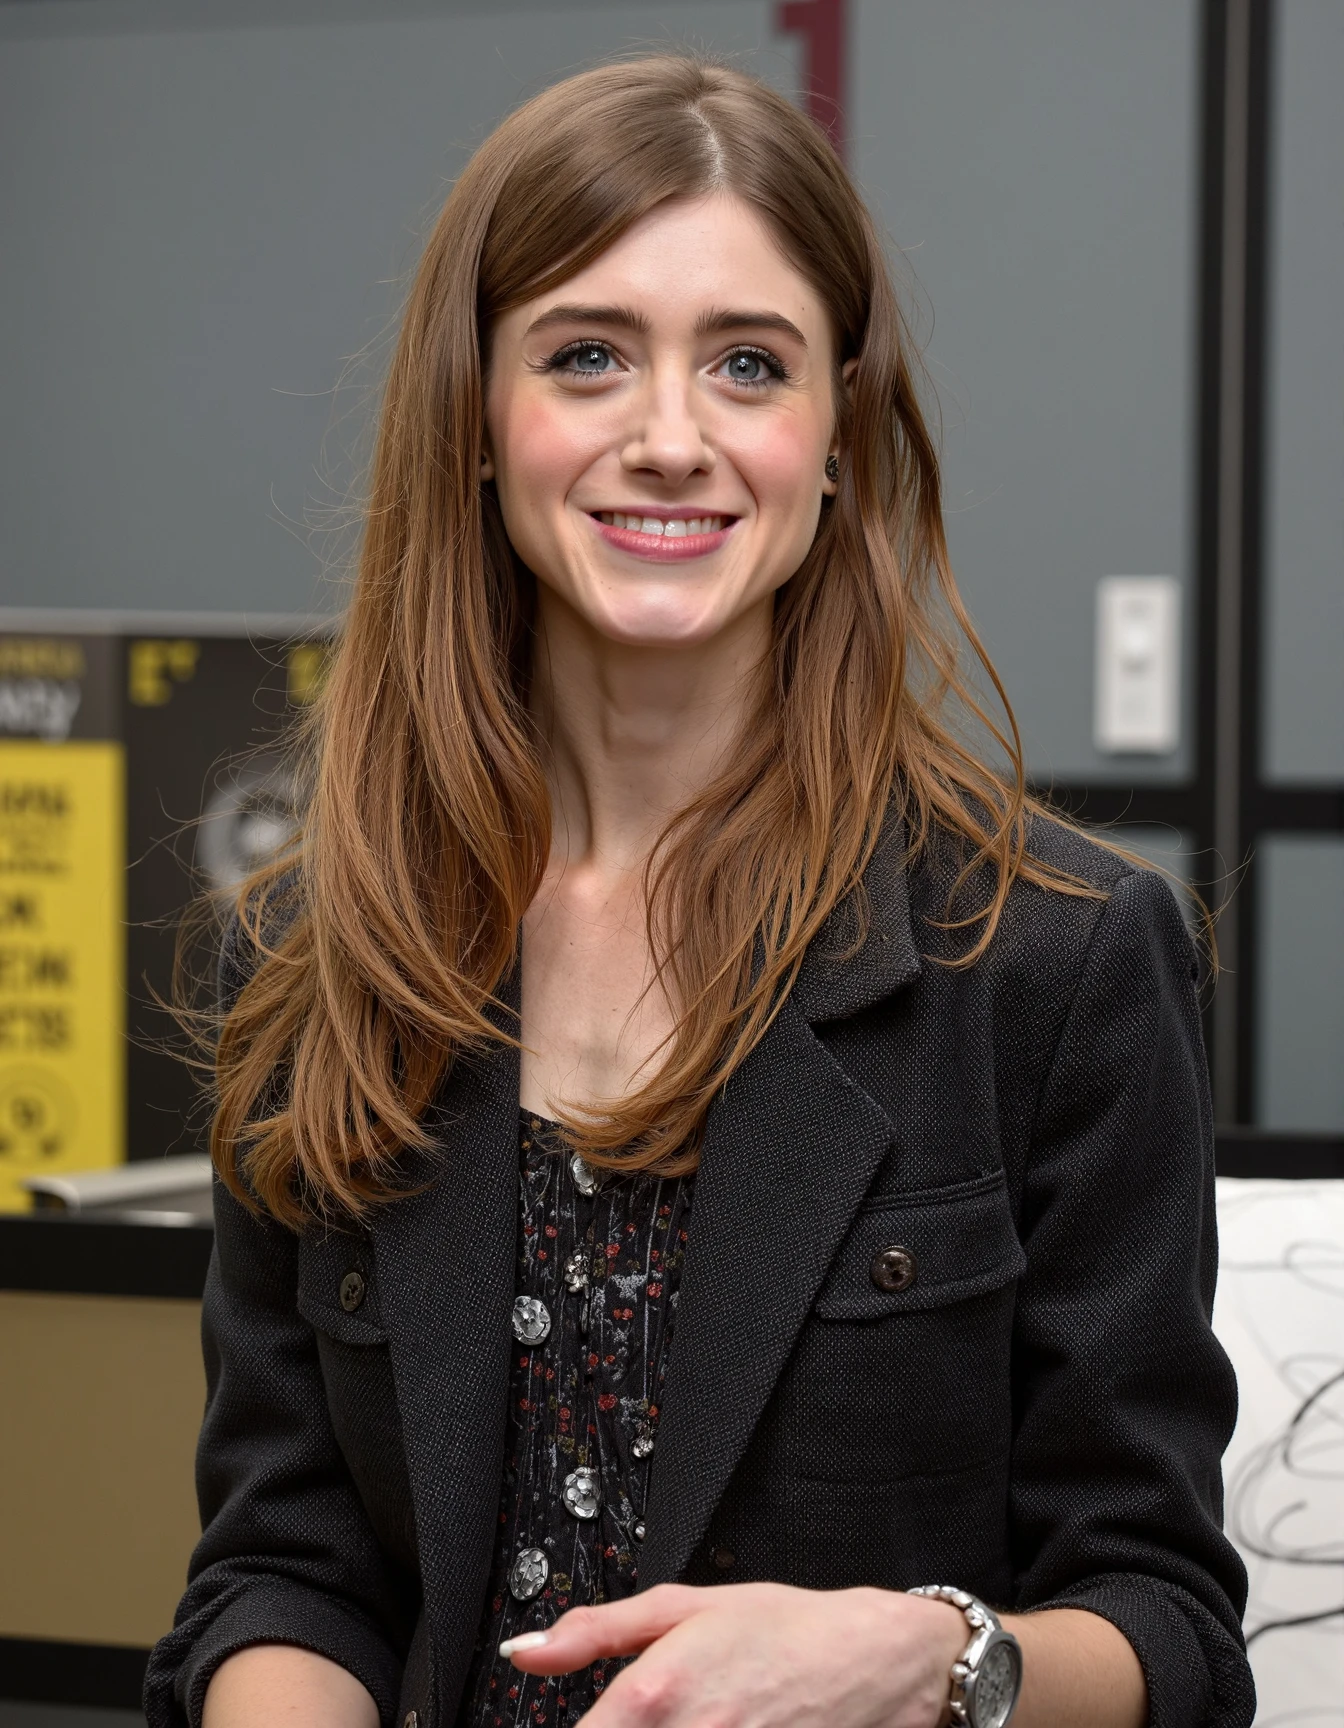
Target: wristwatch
<point>987,1677</point>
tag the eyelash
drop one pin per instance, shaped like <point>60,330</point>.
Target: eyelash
<point>779,372</point>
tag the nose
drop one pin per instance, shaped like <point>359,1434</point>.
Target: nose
<point>667,437</point>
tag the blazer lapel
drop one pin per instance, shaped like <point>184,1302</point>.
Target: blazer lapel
<point>792,1144</point>
<point>446,1263</point>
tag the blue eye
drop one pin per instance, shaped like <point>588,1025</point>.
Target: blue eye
<point>586,359</point>
<point>751,366</point>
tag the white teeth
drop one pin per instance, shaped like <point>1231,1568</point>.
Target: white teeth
<point>674,529</point>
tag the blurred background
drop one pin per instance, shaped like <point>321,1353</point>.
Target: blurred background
<point>1120,235</point>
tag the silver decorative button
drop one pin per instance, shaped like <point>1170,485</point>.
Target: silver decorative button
<point>639,1530</point>
<point>581,1493</point>
<point>576,1271</point>
<point>585,1177</point>
<point>531,1322</point>
<point>528,1574</point>
<point>642,1444</point>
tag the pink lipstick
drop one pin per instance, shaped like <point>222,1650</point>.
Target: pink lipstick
<point>662,538</point>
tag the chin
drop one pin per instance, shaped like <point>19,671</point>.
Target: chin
<point>660,627</point>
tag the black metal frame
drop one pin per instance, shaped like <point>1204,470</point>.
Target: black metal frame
<point>1244,1000</point>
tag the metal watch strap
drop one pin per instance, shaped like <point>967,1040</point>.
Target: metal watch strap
<point>987,1634</point>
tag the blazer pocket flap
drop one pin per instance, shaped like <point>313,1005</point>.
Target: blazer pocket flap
<point>922,1250</point>
<point>338,1293</point>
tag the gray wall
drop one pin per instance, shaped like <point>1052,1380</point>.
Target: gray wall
<point>1301,939</point>
<point>206,226</point>
<point>1036,165</point>
<point>1301,1054</point>
<point>1304,637</point>
<point>211,221</point>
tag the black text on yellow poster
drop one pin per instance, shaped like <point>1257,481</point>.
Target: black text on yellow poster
<point>62,986</point>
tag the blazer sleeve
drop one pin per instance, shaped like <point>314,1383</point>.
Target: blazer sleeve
<point>1124,1400</point>
<point>287,1553</point>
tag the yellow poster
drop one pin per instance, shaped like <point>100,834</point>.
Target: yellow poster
<point>62,942</point>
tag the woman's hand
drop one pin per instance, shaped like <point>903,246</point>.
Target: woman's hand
<point>770,1656</point>
<point>759,1656</point>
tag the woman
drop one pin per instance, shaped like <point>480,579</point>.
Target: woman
<point>699,1149</point>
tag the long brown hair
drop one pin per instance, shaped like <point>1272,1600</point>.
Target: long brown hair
<point>381,945</point>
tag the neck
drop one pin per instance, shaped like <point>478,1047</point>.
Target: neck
<point>635,733</point>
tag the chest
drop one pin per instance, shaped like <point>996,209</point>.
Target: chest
<point>593,1013</point>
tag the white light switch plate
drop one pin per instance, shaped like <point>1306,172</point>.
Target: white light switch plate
<point>1138,687</point>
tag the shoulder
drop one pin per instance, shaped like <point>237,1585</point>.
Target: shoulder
<point>1102,913</point>
<point>1122,898</point>
<point>1076,852</point>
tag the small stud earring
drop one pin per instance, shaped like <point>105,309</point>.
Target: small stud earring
<point>832,469</point>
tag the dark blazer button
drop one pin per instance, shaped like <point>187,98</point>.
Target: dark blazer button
<point>724,1559</point>
<point>352,1291</point>
<point>893,1269</point>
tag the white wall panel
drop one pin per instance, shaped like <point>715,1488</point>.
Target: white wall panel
<point>1280,1317</point>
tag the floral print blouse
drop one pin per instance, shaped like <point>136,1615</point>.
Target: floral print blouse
<point>599,1264</point>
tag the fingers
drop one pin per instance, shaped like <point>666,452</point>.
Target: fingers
<point>612,1629</point>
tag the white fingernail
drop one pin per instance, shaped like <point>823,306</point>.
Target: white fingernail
<point>524,1641</point>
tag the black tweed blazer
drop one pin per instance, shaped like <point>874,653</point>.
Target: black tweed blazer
<point>1037,1416</point>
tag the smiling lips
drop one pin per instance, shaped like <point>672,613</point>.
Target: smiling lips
<point>662,538</point>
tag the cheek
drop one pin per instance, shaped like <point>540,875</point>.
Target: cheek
<point>539,453</point>
<point>782,463</point>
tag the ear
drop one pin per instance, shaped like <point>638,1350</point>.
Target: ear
<point>487,463</point>
<point>847,371</point>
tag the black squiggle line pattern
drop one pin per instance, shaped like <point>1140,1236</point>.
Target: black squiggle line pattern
<point>1294,1620</point>
<point>1270,1498</point>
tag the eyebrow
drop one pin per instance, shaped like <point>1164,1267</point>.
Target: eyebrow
<point>622,317</point>
<point>713,323</point>
<point>719,323</point>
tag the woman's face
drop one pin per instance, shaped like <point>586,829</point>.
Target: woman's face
<point>658,426</point>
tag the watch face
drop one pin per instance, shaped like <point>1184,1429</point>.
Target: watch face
<point>996,1685</point>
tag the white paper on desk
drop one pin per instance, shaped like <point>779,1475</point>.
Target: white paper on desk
<point>1280,1316</point>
